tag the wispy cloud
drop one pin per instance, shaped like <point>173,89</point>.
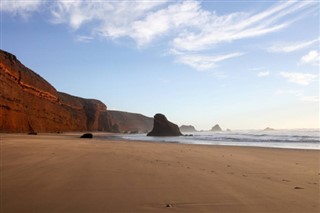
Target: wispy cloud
<point>310,98</point>
<point>213,29</point>
<point>299,78</point>
<point>299,94</point>
<point>82,38</point>
<point>204,62</point>
<point>187,26</point>
<point>289,92</point>
<point>263,73</point>
<point>20,7</point>
<point>111,19</point>
<point>313,58</point>
<point>293,46</point>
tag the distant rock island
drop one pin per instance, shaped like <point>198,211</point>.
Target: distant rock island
<point>187,128</point>
<point>268,129</point>
<point>163,127</point>
<point>216,128</point>
<point>28,103</point>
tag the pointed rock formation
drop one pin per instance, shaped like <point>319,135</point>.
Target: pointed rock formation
<point>216,128</point>
<point>163,127</point>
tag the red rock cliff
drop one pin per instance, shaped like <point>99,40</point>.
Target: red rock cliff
<point>30,103</point>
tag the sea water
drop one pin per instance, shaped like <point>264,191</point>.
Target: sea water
<point>292,139</point>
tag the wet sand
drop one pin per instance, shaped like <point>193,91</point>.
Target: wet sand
<point>63,173</point>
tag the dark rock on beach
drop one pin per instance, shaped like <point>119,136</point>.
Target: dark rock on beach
<point>163,127</point>
<point>32,133</point>
<point>87,135</point>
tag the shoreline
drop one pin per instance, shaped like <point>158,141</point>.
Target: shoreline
<point>63,173</point>
<point>175,140</point>
<point>108,136</point>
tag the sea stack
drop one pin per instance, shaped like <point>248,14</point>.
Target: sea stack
<point>268,129</point>
<point>187,128</point>
<point>216,128</point>
<point>163,127</point>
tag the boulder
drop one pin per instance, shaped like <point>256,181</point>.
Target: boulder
<point>216,128</point>
<point>163,127</point>
<point>87,135</point>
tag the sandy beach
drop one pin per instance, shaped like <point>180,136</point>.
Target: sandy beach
<point>63,173</point>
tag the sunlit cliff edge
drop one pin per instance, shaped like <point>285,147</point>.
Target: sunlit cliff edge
<point>28,103</point>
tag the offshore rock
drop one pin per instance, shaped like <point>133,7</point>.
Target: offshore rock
<point>187,128</point>
<point>216,128</point>
<point>163,127</point>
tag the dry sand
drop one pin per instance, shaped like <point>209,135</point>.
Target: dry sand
<point>62,173</point>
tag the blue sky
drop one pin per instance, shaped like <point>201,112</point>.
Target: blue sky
<point>241,64</point>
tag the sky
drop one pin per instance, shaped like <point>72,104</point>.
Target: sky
<point>240,64</point>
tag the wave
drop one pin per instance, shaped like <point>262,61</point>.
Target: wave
<point>304,139</point>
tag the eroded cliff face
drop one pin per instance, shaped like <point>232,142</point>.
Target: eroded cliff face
<point>126,122</point>
<point>30,103</point>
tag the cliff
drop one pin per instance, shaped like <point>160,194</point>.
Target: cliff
<point>29,103</point>
<point>130,122</point>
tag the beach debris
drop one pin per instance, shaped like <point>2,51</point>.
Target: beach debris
<point>87,135</point>
<point>32,133</point>
<point>297,187</point>
<point>169,205</point>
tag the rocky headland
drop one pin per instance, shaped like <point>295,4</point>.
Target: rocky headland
<point>28,103</point>
<point>127,122</point>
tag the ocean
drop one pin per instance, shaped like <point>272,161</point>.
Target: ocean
<point>290,139</point>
